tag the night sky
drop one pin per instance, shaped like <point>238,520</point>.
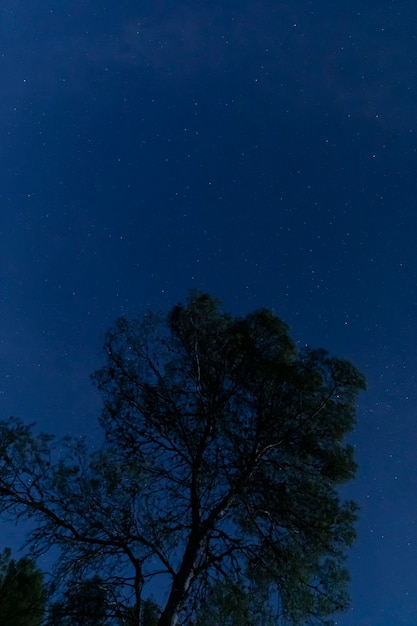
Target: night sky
<point>263,152</point>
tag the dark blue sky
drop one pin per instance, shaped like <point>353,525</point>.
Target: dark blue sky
<point>264,152</point>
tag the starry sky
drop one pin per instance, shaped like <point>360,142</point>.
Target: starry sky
<point>264,152</point>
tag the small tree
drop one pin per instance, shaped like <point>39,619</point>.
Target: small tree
<point>83,604</point>
<point>224,450</point>
<point>22,597</point>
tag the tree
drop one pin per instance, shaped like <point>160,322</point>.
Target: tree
<point>150,613</point>
<point>223,455</point>
<point>229,604</point>
<point>21,592</point>
<point>83,604</point>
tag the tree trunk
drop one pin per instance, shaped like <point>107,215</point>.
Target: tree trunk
<point>182,582</point>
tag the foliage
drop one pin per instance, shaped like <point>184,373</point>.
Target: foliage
<point>90,602</point>
<point>21,592</point>
<point>224,452</point>
<point>151,613</point>
<point>229,604</point>
<point>83,604</point>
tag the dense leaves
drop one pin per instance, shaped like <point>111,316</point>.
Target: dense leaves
<point>22,596</point>
<point>82,604</point>
<point>224,450</point>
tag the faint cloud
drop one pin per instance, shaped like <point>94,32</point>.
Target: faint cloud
<point>185,40</point>
<point>341,61</point>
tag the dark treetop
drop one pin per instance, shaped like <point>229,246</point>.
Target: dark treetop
<point>223,453</point>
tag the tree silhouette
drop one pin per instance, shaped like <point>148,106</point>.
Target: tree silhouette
<point>224,451</point>
<point>22,594</point>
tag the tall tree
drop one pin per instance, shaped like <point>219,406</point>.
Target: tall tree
<point>223,456</point>
<point>22,596</point>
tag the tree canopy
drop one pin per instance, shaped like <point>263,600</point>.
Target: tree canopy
<point>22,597</point>
<point>224,450</point>
<point>82,603</point>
